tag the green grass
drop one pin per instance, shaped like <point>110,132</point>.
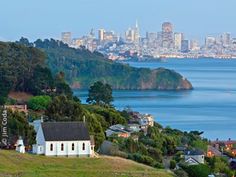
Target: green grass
<point>26,165</point>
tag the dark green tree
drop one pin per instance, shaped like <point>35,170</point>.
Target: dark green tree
<point>100,94</point>
<point>63,109</point>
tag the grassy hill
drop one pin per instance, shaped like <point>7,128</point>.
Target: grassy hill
<point>26,165</point>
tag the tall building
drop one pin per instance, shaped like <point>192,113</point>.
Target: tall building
<point>210,42</point>
<point>136,33</point>
<point>226,38</point>
<point>167,35</point>
<point>66,38</point>
<point>178,38</point>
<point>101,34</point>
<point>132,34</point>
<point>194,45</point>
<point>185,46</point>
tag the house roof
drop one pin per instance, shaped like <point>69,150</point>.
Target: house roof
<point>193,152</point>
<point>65,131</point>
<point>192,161</point>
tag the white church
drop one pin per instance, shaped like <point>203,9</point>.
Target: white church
<point>63,139</point>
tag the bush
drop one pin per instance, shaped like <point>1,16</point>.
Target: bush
<point>38,103</point>
<point>181,173</point>
<point>198,170</point>
<point>172,164</point>
<point>142,159</point>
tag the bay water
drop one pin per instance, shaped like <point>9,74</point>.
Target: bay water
<point>210,107</point>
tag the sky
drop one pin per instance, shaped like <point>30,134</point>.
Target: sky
<point>48,18</point>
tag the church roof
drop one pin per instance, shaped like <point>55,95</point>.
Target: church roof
<point>65,131</point>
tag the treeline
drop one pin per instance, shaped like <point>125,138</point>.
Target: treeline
<point>82,68</point>
<point>23,69</point>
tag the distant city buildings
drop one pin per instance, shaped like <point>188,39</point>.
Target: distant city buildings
<point>156,44</point>
<point>178,38</point>
<point>66,37</point>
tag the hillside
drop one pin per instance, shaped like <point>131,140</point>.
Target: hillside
<point>25,165</point>
<point>82,68</point>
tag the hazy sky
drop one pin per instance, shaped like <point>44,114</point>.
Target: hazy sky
<point>48,18</point>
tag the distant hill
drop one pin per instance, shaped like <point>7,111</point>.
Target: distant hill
<point>23,69</point>
<point>82,68</point>
<point>26,165</point>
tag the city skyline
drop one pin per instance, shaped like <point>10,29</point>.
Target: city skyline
<point>48,19</point>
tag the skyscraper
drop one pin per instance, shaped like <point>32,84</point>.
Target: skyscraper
<point>66,37</point>
<point>136,33</point>
<point>210,42</point>
<point>101,34</point>
<point>132,34</point>
<point>178,38</point>
<point>167,35</point>
<point>225,38</point>
<point>185,46</point>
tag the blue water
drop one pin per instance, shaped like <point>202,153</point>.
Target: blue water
<point>210,107</point>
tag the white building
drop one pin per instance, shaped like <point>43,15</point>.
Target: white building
<point>194,157</point>
<point>63,139</point>
<point>20,145</point>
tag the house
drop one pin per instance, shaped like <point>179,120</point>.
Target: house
<point>144,120</point>
<point>118,130</point>
<point>133,128</point>
<point>150,119</point>
<point>194,157</point>
<point>19,108</point>
<point>212,152</point>
<point>63,139</point>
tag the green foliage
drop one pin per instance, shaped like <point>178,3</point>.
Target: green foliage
<point>82,68</point>
<point>200,144</point>
<point>198,170</point>
<point>62,88</point>
<point>100,94</point>
<point>63,109</point>
<point>38,103</point>
<point>180,173</point>
<point>172,164</point>
<point>142,159</point>
<point>19,126</point>
<point>220,165</point>
<point>108,116</point>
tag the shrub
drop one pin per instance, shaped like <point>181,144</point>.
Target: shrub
<point>38,103</point>
<point>172,164</point>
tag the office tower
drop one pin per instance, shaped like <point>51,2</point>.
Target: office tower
<point>194,45</point>
<point>210,41</point>
<point>101,34</point>
<point>167,35</point>
<point>151,36</point>
<point>132,34</point>
<point>178,38</point>
<point>185,46</point>
<point>136,33</point>
<point>66,37</point>
<point>225,38</point>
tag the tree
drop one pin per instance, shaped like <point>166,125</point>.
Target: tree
<point>63,109</point>
<point>198,170</point>
<point>100,94</point>
<point>39,102</point>
<point>62,88</point>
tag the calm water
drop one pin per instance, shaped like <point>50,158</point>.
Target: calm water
<point>210,107</point>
